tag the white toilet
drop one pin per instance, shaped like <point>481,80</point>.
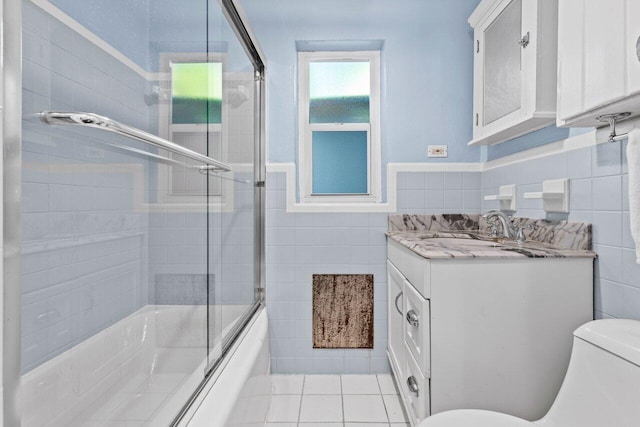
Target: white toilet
<point>601,388</point>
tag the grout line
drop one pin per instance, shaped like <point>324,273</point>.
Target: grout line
<point>304,378</point>
<point>342,402</point>
<point>379,386</point>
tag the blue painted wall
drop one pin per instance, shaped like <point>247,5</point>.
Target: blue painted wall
<point>128,32</point>
<point>142,29</point>
<point>427,66</point>
<point>534,139</point>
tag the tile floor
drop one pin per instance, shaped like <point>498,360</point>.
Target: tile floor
<point>335,401</point>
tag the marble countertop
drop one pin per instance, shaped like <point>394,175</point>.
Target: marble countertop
<point>447,244</point>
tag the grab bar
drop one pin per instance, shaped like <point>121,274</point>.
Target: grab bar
<point>105,123</point>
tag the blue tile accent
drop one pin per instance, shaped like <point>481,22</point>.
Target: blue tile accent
<point>607,193</point>
<point>580,194</point>
<point>453,181</point>
<point>606,159</point>
<point>607,228</point>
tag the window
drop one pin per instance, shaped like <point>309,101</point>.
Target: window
<point>192,114</point>
<point>339,126</point>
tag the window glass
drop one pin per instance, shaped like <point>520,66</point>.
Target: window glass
<point>339,92</point>
<point>196,93</point>
<point>339,162</point>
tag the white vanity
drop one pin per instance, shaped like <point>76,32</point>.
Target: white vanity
<point>475,323</point>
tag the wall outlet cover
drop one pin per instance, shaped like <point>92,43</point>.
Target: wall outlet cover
<point>436,151</point>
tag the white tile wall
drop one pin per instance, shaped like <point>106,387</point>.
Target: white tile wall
<point>599,194</point>
<point>84,257</point>
<point>302,244</point>
<point>335,243</point>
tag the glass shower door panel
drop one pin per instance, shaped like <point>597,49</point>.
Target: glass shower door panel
<point>115,251</point>
<point>233,253</point>
<point>502,64</point>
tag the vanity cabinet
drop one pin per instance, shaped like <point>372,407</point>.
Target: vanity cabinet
<point>395,317</point>
<point>514,73</point>
<point>483,333</point>
<point>598,66</point>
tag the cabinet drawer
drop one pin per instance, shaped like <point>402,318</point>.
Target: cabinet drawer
<point>415,268</point>
<point>416,327</point>
<point>417,400</point>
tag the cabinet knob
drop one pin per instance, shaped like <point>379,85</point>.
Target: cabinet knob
<point>413,318</point>
<point>524,41</point>
<point>413,386</point>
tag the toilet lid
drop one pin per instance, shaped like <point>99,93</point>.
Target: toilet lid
<point>474,418</point>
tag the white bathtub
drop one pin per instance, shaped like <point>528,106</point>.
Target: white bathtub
<point>138,372</point>
<point>239,394</point>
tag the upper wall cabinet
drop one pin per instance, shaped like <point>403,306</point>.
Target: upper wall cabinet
<point>514,72</point>
<point>598,66</point>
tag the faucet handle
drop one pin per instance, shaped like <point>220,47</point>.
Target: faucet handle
<point>520,236</point>
<point>493,231</point>
<point>492,221</point>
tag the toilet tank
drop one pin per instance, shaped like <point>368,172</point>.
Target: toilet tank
<point>602,385</point>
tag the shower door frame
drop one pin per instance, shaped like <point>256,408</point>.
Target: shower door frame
<point>11,207</point>
<point>11,124</point>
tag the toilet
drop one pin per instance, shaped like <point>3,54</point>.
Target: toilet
<point>601,388</point>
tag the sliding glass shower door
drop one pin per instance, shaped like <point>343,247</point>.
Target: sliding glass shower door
<point>141,216</point>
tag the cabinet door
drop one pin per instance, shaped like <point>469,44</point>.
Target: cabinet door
<point>502,64</point>
<point>632,46</point>
<point>395,318</point>
<point>416,329</point>
<point>415,388</point>
<point>570,55</point>
<point>604,41</point>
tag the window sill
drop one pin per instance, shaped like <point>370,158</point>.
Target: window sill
<point>335,207</point>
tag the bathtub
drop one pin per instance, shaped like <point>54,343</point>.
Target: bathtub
<point>239,394</point>
<point>138,372</point>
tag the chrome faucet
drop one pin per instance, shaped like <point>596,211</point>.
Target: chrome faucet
<point>508,232</point>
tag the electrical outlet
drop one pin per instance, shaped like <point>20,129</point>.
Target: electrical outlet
<point>436,151</point>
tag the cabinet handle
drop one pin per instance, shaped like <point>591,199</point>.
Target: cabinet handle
<point>413,319</point>
<point>413,386</point>
<point>396,303</point>
<point>524,41</point>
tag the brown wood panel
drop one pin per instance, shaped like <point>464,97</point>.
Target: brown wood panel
<point>342,311</point>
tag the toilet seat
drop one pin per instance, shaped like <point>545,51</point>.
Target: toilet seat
<point>474,418</point>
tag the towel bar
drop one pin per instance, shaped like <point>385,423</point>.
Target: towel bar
<point>612,119</point>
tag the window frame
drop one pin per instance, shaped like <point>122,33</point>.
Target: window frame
<point>167,128</point>
<point>306,129</point>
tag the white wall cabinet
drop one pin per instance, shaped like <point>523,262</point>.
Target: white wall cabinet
<point>514,72</point>
<point>598,66</point>
<point>491,334</point>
